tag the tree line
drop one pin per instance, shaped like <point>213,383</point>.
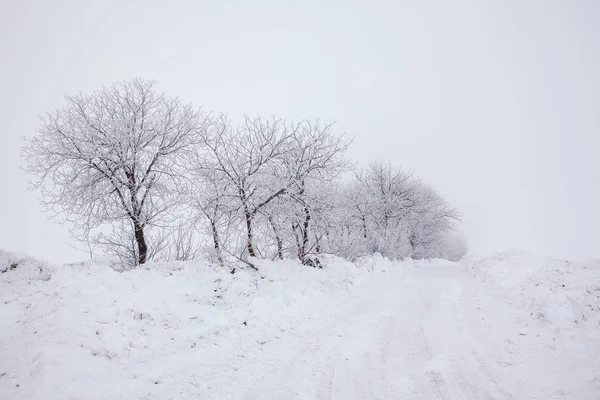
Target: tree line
<point>141,175</point>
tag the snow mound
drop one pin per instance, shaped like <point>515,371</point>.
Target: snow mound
<point>28,268</point>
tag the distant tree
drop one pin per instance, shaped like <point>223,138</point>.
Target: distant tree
<point>387,210</point>
<point>452,246</point>
<point>391,193</point>
<point>105,162</point>
<point>429,222</point>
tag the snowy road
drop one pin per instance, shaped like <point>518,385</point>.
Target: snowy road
<point>404,340</point>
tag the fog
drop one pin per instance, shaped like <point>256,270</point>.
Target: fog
<point>495,105</point>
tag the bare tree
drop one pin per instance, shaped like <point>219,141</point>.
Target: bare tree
<point>184,244</point>
<point>260,167</point>
<point>248,157</point>
<point>107,158</point>
<point>209,195</point>
<point>316,157</point>
<point>276,215</point>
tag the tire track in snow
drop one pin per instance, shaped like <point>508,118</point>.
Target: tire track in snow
<point>464,373</point>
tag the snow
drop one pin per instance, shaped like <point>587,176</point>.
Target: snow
<point>554,307</point>
<point>508,326</point>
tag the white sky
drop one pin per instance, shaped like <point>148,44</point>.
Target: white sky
<point>495,103</point>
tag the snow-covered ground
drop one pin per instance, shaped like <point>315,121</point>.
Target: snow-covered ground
<point>503,327</point>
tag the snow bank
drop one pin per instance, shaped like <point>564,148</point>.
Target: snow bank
<point>556,304</point>
<point>85,331</point>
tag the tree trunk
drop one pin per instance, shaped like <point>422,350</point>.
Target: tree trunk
<point>250,245</point>
<point>216,241</point>
<point>277,238</point>
<point>141,243</point>
<point>304,230</point>
<point>364,225</point>
<point>297,239</point>
<point>138,229</point>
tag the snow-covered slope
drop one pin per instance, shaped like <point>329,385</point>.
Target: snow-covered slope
<point>500,327</point>
<point>85,331</point>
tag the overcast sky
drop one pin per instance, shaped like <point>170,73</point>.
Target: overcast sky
<point>495,103</point>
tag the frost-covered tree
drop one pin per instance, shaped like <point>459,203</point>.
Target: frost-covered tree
<point>315,160</point>
<point>143,176</point>
<point>313,216</point>
<point>452,246</point>
<point>105,161</point>
<point>210,195</point>
<point>263,165</point>
<point>390,191</point>
<point>387,210</point>
<point>429,221</point>
<point>247,157</point>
